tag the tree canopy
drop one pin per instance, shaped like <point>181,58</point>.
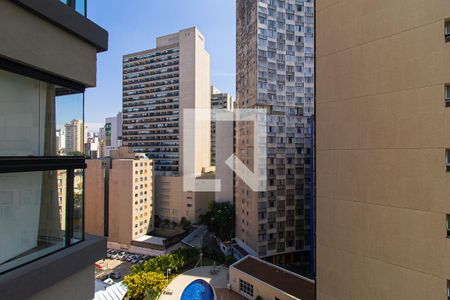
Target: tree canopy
<point>220,220</point>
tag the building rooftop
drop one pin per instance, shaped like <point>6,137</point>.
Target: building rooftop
<point>104,291</point>
<point>154,240</point>
<point>284,280</point>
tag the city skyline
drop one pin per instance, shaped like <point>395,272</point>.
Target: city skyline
<point>150,20</point>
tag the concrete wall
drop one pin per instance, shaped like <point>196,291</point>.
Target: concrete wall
<point>130,198</point>
<point>121,191</point>
<point>195,93</point>
<point>382,131</point>
<point>94,197</point>
<point>224,141</point>
<point>33,41</point>
<point>173,204</point>
<point>79,286</point>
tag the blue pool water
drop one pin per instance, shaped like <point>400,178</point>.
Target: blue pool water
<point>198,290</point>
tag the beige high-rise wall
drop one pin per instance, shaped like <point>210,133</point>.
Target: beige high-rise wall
<point>195,88</point>
<point>382,130</point>
<point>130,213</point>
<point>95,196</point>
<point>121,202</point>
<point>173,203</point>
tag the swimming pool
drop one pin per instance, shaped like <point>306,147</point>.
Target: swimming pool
<point>198,290</point>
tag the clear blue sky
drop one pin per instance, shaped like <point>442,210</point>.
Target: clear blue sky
<point>133,26</point>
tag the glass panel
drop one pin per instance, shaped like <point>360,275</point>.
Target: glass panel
<point>32,216</point>
<point>38,118</point>
<point>80,6</point>
<point>70,128</point>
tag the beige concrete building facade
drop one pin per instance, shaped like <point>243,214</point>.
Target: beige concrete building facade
<point>158,84</point>
<point>75,136</point>
<point>95,197</point>
<point>382,132</point>
<point>173,203</point>
<point>224,133</point>
<point>129,180</point>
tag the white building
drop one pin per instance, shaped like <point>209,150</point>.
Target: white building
<point>112,133</point>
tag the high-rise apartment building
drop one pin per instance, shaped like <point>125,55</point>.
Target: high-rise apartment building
<point>75,136</point>
<point>113,133</point>
<point>382,133</point>
<point>119,194</point>
<point>158,84</point>
<point>48,56</point>
<point>220,101</point>
<point>275,71</point>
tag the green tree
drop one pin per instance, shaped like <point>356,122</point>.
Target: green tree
<point>142,283</point>
<point>220,220</point>
<point>190,255</point>
<point>184,223</point>
<point>161,264</point>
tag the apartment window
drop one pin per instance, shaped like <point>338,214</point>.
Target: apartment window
<point>448,226</point>
<point>245,288</point>
<point>447,31</point>
<point>447,95</point>
<point>447,159</point>
<point>448,289</point>
<point>41,193</point>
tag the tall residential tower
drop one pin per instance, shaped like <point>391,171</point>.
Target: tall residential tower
<point>275,70</point>
<point>158,84</point>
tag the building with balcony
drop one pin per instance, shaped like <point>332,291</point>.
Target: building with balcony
<point>47,60</point>
<point>158,85</point>
<point>382,133</point>
<point>275,72</point>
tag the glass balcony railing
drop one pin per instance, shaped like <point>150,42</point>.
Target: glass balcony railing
<point>41,207</point>
<point>41,167</point>
<point>79,5</point>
